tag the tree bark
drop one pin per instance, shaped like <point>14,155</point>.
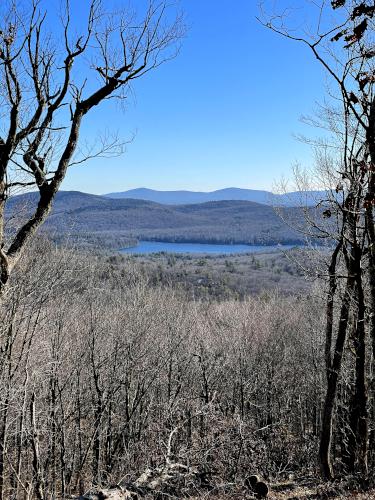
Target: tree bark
<point>358,439</point>
<point>332,382</point>
<point>37,468</point>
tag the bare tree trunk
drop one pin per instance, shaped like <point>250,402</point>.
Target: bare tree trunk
<point>358,421</point>
<point>37,467</point>
<point>3,439</point>
<point>361,392</point>
<point>4,270</point>
<point>330,307</point>
<point>7,370</point>
<point>370,226</point>
<point>97,441</point>
<point>21,434</point>
<point>332,381</point>
<point>53,431</point>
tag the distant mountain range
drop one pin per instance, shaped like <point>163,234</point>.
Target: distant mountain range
<point>83,215</point>
<point>296,198</point>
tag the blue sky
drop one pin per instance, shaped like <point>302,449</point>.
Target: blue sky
<point>223,113</point>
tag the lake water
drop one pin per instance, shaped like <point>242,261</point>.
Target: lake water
<point>145,247</point>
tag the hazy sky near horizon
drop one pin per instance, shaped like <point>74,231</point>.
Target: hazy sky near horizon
<point>223,113</point>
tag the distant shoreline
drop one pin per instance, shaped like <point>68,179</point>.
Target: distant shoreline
<point>151,247</point>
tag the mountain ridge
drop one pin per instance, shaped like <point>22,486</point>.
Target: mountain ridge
<point>183,197</point>
<point>222,221</point>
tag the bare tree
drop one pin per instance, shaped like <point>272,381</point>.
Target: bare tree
<point>341,38</point>
<point>99,367</point>
<point>47,91</point>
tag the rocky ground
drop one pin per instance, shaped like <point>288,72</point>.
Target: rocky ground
<point>176,481</point>
<point>297,493</point>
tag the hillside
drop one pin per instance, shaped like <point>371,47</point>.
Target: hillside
<point>297,198</point>
<point>219,221</point>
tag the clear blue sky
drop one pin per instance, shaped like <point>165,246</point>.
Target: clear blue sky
<point>222,114</point>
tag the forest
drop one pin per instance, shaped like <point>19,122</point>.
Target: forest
<point>107,372</point>
<point>100,365</point>
<point>169,376</point>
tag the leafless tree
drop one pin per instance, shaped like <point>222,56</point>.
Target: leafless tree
<point>51,78</point>
<point>98,367</point>
<point>341,37</point>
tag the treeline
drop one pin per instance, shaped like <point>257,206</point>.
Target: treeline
<point>99,369</point>
<point>97,242</point>
<point>89,238</point>
<point>228,236</point>
<point>114,240</point>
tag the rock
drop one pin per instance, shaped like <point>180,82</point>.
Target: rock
<point>172,479</point>
<point>261,489</point>
<point>254,484</point>
<point>251,481</point>
<point>117,493</point>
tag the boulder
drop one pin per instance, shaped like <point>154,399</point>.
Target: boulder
<point>257,486</point>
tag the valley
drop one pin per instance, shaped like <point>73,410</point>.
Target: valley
<point>210,342</point>
<point>223,277</point>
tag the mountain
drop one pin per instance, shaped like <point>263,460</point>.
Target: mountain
<point>296,198</point>
<point>188,197</point>
<point>236,221</point>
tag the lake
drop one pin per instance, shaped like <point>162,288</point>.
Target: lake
<point>145,247</point>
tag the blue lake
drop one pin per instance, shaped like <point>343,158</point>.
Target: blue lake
<point>145,247</point>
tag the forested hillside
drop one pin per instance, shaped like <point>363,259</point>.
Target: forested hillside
<point>218,222</point>
<point>104,366</point>
<point>110,371</point>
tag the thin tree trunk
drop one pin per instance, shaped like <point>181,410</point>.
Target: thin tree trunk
<point>37,469</point>
<point>358,421</point>
<point>3,438</point>
<point>332,381</point>
<point>4,261</point>
<point>330,307</point>
<point>21,434</point>
<point>370,226</point>
<point>361,393</point>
